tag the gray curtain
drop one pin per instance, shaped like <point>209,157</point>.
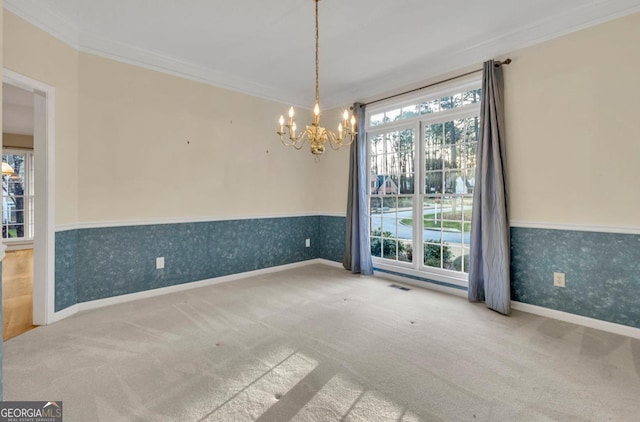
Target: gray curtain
<point>357,251</point>
<point>489,278</point>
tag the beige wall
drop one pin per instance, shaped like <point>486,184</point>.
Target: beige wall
<point>572,108</point>
<point>12,140</point>
<point>122,133</point>
<point>331,171</point>
<point>121,141</point>
<point>37,55</point>
<point>155,146</point>
<point>332,174</point>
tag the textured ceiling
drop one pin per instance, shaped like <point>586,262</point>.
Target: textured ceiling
<point>265,48</point>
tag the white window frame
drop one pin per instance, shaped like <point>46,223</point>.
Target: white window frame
<point>417,124</point>
<point>27,240</point>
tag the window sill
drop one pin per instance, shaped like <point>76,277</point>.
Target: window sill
<point>440,277</point>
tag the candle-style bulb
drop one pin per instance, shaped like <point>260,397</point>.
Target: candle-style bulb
<point>340,128</point>
<point>353,122</point>
<point>345,115</point>
<point>281,120</point>
<point>316,110</point>
<point>291,112</point>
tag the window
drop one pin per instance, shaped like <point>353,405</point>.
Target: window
<point>422,157</point>
<point>17,195</point>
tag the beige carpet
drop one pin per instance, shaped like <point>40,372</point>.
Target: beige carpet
<point>317,344</point>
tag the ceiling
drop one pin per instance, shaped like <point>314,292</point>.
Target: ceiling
<point>265,48</point>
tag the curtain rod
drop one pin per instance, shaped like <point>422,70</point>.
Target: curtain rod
<point>496,64</point>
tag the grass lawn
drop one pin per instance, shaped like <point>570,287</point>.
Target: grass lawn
<point>430,223</point>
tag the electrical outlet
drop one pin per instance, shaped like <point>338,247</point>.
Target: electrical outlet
<point>159,262</point>
<point>558,279</point>
<point>307,243</point>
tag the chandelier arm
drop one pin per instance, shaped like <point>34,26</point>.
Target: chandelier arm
<point>290,144</point>
<point>334,142</point>
<point>300,140</point>
<point>292,140</point>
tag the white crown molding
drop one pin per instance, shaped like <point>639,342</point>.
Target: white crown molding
<point>163,63</point>
<point>574,227</point>
<point>38,14</point>
<point>150,222</point>
<point>589,14</point>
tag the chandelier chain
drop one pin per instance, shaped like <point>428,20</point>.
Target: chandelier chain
<point>315,133</point>
<point>317,59</point>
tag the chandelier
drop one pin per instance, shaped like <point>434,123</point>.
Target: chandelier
<point>316,135</point>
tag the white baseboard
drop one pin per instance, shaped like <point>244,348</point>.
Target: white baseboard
<point>65,313</point>
<point>100,303</point>
<point>597,324</point>
<point>518,306</point>
<point>422,284</point>
<point>330,263</point>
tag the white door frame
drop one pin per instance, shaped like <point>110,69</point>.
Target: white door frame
<point>44,213</point>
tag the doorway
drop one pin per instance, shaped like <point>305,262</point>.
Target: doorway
<point>28,218</point>
<point>17,210</point>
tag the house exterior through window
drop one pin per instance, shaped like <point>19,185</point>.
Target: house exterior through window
<point>422,160</point>
<point>17,195</point>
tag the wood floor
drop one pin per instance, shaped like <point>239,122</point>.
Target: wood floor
<point>17,293</point>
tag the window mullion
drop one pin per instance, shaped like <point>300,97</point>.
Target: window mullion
<point>419,188</point>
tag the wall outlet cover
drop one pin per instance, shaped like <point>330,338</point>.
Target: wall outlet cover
<point>159,262</point>
<point>558,279</point>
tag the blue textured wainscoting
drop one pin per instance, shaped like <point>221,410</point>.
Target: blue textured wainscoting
<point>602,272</point>
<point>66,273</point>
<point>98,263</point>
<point>331,231</point>
<point>602,269</point>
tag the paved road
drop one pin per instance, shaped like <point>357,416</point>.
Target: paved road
<point>406,232</point>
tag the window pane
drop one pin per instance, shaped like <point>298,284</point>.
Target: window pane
<point>406,252</point>
<point>447,103</point>
<point>389,249</point>
<point>454,261</point>
<point>392,115</point>
<point>377,119</point>
<point>409,111</point>
<point>376,244</point>
<point>433,255</point>
<point>432,106</point>
<point>471,97</point>
<point>450,181</point>
<point>407,183</point>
